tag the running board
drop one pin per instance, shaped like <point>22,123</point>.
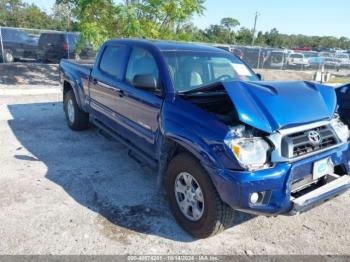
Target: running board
<point>134,152</point>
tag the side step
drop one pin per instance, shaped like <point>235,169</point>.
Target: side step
<point>133,152</point>
<point>320,195</point>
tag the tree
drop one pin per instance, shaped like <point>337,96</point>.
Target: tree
<point>100,20</point>
<point>16,13</point>
<point>273,38</point>
<point>63,15</point>
<point>229,24</point>
<point>244,36</point>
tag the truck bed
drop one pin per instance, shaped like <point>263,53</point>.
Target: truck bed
<point>83,66</point>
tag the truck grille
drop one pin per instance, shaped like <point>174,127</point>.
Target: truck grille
<point>299,144</point>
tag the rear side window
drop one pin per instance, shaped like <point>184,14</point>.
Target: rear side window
<point>54,39</point>
<point>11,35</point>
<point>112,61</point>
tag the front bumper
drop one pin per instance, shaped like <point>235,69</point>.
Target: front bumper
<point>332,189</point>
<point>236,187</point>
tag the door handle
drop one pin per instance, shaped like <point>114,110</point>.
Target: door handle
<point>121,93</point>
<point>94,81</point>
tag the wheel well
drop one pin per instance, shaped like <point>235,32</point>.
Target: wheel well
<point>169,149</point>
<point>66,87</point>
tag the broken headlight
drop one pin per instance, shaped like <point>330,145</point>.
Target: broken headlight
<point>340,129</point>
<point>251,152</point>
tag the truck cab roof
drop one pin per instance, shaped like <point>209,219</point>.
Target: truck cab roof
<point>168,45</point>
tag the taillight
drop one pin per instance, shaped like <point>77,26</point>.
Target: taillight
<point>65,46</point>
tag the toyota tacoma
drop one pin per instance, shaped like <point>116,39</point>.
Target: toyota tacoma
<point>221,139</point>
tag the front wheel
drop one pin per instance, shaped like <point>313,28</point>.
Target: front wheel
<point>193,199</point>
<point>76,118</point>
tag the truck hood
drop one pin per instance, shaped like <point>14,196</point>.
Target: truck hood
<point>270,106</point>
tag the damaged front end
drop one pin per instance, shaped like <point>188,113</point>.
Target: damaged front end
<point>291,146</point>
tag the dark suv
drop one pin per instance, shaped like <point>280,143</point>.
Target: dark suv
<point>17,45</point>
<point>55,46</point>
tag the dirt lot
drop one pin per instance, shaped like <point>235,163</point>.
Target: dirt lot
<point>64,192</point>
<point>28,74</point>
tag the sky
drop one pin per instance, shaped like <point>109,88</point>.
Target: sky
<point>308,17</point>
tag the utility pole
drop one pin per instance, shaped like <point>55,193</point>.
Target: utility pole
<point>254,29</point>
<point>2,47</point>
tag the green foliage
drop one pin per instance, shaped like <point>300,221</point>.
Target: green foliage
<point>244,36</point>
<point>16,13</point>
<point>99,20</point>
<point>229,23</point>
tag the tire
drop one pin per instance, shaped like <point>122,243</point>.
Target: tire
<point>216,215</point>
<point>76,118</point>
<point>8,56</point>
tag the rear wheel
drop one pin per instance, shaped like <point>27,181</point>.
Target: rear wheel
<point>193,199</point>
<point>75,117</point>
<point>8,56</point>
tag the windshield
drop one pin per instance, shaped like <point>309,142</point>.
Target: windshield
<point>190,70</point>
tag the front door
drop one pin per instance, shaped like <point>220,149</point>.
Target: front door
<point>138,107</point>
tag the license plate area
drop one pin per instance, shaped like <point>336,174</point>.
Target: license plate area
<point>322,168</point>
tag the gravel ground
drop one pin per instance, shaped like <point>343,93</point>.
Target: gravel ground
<point>64,192</point>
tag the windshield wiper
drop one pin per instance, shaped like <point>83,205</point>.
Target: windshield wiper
<point>212,87</point>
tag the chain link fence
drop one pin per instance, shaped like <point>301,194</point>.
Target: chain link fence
<point>286,59</point>
<point>21,45</point>
<point>47,46</point>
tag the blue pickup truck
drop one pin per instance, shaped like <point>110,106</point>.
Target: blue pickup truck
<point>221,139</point>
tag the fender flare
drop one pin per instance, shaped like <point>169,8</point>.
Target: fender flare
<point>192,143</point>
<point>77,88</point>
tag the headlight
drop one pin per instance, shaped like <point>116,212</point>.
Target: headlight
<point>251,152</point>
<point>340,129</point>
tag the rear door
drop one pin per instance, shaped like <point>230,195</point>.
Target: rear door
<point>106,78</point>
<point>140,108</point>
<point>51,46</point>
<point>12,42</point>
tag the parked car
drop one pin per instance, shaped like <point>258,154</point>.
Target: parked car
<point>221,139</point>
<point>235,50</point>
<point>276,59</point>
<point>344,60</point>
<point>253,56</point>
<point>330,62</point>
<point>315,61</point>
<point>53,46</point>
<point>17,45</point>
<point>297,61</point>
<point>227,48</point>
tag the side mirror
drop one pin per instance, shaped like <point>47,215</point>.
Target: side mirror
<point>260,77</point>
<point>145,82</point>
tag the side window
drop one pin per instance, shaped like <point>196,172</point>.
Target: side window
<point>141,62</point>
<point>112,61</point>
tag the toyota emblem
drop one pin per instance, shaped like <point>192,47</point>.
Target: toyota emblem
<point>314,137</point>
